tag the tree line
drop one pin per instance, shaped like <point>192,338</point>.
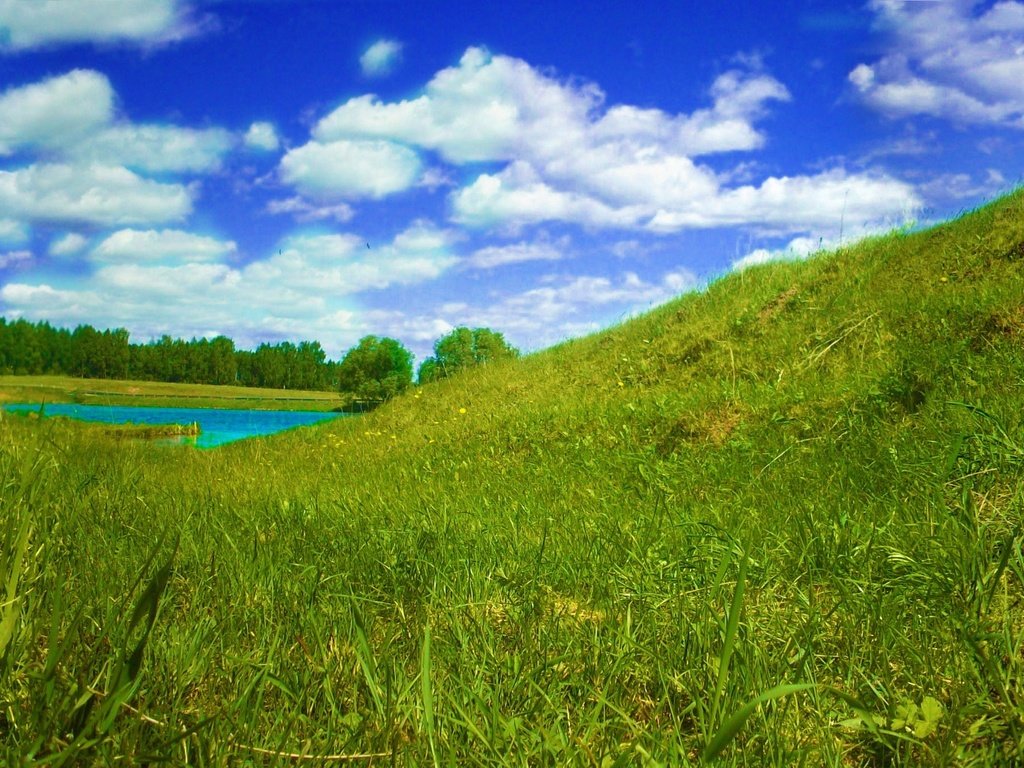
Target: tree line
<point>38,348</point>
<point>377,368</point>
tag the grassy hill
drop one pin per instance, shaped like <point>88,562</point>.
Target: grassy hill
<point>777,522</point>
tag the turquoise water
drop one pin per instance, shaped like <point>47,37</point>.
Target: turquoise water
<point>217,425</point>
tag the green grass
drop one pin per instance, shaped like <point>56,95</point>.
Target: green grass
<point>66,389</point>
<point>777,522</point>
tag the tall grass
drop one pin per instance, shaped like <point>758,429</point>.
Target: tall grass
<point>774,523</point>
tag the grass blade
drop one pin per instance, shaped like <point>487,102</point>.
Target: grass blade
<point>729,644</point>
<point>735,722</point>
<point>426,689</point>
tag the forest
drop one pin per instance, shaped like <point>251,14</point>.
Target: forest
<point>377,368</point>
<point>28,348</point>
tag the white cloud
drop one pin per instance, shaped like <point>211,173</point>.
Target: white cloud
<point>262,136</point>
<point>67,244</point>
<point>828,201</point>
<point>960,61</point>
<point>183,283</point>
<point>515,253</point>
<point>350,169</point>
<point>71,116</point>
<point>342,264</point>
<point>569,157</point>
<point>33,23</point>
<point>15,258</point>
<point>155,148</point>
<point>518,196</point>
<point>380,58</point>
<point>962,186</point>
<point>495,108</point>
<point>93,193</point>
<point>167,245</point>
<point>797,248</point>
<point>629,249</point>
<point>48,303</point>
<point>299,292</point>
<point>569,306</point>
<point>13,231</point>
<point>54,112</point>
<point>303,210</point>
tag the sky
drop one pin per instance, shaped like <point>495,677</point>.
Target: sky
<point>277,170</point>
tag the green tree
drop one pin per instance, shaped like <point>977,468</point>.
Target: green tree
<point>464,348</point>
<point>377,368</point>
<point>223,365</point>
<point>307,372</point>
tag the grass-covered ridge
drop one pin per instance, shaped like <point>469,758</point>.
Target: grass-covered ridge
<point>773,523</point>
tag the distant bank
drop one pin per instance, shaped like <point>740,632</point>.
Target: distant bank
<point>66,389</point>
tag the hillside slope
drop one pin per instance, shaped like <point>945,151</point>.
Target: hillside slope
<point>809,475</point>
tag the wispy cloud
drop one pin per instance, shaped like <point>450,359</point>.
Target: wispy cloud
<point>381,58</point>
<point>303,210</point>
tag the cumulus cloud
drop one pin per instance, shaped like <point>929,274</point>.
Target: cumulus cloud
<point>54,112</point>
<point>170,281</point>
<point>826,201</point>
<point>167,245</point>
<point>67,244</point>
<point>95,194</point>
<point>567,156</point>
<point>797,248</point>
<point>341,264</point>
<point>76,160</point>
<point>155,148</point>
<point>380,58</point>
<point>183,283</point>
<point>975,81</point>
<point>34,23</point>
<point>73,115</point>
<point>350,169</point>
<point>43,302</point>
<point>494,108</point>
<point>517,195</point>
<point>262,136</point>
<point>566,306</point>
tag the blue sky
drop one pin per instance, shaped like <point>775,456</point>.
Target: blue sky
<point>327,169</point>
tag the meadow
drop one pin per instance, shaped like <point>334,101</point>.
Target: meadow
<point>775,522</point>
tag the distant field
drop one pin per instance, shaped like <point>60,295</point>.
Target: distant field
<point>65,389</point>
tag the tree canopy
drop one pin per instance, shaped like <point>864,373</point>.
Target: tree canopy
<point>38,348</point>
<point>378,368</point>
<point>464,348</point>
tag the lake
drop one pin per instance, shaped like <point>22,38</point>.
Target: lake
<point>217,425</point>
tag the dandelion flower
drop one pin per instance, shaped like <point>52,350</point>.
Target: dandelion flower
<point>462,410</point>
